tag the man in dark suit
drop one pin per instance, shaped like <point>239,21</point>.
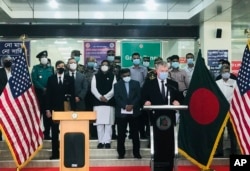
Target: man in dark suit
<point>162,91</point>
<point>5,74</point>
<point>127,111</point>
<point>60,89</point>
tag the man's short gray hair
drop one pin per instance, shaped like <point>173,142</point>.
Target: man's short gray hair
<point>161,63</point>
<point>8,57</point>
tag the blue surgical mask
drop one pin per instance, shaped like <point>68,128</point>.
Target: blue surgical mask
<point>175,64</point>
<point>136,61</point>
<point>126,79</point>
<point>77,58</point>
<point>145,63</point>
<point>225,75</point>
<point>110,58</point>
<point>190,60</point>
<point>91,64</point>
<point>163,75</point>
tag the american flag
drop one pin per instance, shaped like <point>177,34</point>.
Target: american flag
<point>240,104</point>
<point>19,114</point>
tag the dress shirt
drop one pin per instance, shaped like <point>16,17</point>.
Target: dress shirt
<point>227,88</point>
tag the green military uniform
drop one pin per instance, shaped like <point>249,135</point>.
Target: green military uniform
<point>40,75</point>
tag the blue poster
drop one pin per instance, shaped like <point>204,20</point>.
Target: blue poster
<point>213,57</point>
<point>97,49</point>
<point>13,48</point>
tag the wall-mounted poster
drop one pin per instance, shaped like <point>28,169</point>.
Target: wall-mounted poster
<point>235,67</point>
<point>213,57</point>
<point>13,48</point>
<point>144,48</point>
<point>97,49</point>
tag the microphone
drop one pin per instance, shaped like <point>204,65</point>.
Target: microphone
<point>170,86</point>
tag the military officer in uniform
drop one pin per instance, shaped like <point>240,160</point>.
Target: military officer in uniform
<point>117,66</point>
<point>40,74</point>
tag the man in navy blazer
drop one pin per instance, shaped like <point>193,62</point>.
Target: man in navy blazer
<point>127,110</point>
<point>60,88</point>
<point>162,91</point>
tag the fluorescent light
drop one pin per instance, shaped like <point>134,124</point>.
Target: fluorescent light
<point>151,5</point>
<point>53,4</point>
<point>60,42</point>
<point>99,15</point>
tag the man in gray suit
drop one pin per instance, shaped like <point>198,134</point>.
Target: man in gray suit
<point>81,84</point>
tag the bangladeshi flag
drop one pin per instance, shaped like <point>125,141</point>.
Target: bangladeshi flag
<point>201,126</point>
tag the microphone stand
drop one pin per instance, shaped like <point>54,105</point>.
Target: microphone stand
<point>175,130</point>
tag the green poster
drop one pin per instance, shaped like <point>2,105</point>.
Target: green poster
<point>144,48</point>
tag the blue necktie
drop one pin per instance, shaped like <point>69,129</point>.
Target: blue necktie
<point>163,94</point>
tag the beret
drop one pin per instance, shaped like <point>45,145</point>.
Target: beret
<point>41,54</point>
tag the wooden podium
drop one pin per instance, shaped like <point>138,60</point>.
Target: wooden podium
<point>74,133</point>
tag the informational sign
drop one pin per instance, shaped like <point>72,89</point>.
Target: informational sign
<point>97,49</point>
<point>13,49</point>
<point>235,67</point>
<point>213,57</point>
<point>144,48</point>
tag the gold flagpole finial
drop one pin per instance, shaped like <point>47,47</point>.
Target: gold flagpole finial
<point>247,32</point>
<point>23,37</point>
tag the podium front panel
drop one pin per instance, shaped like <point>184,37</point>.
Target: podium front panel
<point>74,152</point>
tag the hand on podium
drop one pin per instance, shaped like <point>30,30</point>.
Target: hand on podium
<point>147,103</point>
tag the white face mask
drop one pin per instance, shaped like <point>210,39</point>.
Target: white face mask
<point>72,66</point>
<point>44,61</point>
<point>126,79</point>
<point>145,63</point>
<point>104,68</point>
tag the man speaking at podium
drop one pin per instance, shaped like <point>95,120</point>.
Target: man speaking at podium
<point>162,91</point>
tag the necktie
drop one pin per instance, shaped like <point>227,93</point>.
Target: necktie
<point>73,75</point>
<point>60,81</point>
<point>163,94</point>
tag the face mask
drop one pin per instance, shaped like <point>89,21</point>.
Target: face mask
<point>126,79</point>
<point>190,60</point>
<point>44,61</point>
<point>91,64</point>
<point>7,64</point>
<point>60,70</point>
<point>175,64</point>
<point>72,66</point>
<point>104,68</point>
<point>136,61</point>
<point>163,75</point>
<point>110,58</point>
<point>225,75</point>
<point>145,63</point>
<point>77,58</point>
<point>119,64</point>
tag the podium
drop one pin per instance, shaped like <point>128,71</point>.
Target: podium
<point>162,125</point>
<point>74,139</point>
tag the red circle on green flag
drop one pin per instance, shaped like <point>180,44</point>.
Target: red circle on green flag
<point>203,106</point>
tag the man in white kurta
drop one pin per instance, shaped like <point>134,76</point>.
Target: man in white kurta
<point>102,87</point>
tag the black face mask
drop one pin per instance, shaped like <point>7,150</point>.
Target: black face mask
<point>60,70</point>
<point>7,64</point>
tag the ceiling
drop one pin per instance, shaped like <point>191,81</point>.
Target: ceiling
<point>127,12</point>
